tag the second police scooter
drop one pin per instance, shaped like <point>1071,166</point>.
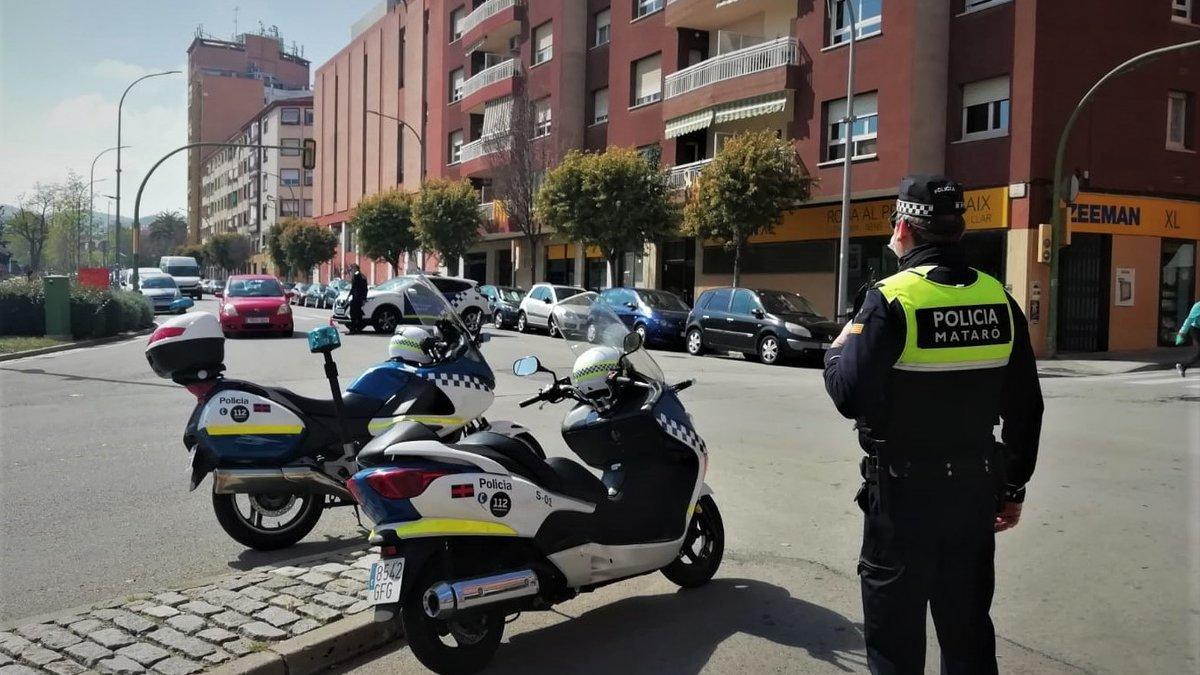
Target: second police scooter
<point>471,533</point>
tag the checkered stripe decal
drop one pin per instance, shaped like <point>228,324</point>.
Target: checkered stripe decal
<point>682,433</point>
<point>595,369</point>
<point>914,209</point>
<point>456,380</point>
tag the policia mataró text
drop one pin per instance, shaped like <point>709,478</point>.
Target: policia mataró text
<point>936,357</point>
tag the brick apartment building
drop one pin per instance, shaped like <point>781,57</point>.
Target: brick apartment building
<point>977,89</point>
<point>229,81</point>
<point>247,191</point>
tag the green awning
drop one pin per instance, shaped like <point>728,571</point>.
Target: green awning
<point>750,107</point>
<point>686,124</point>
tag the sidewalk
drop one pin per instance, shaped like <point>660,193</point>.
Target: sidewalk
<point>1082,364</point>
<point>189,630</point>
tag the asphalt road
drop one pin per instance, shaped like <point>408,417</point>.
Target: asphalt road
<point>1102,575</point>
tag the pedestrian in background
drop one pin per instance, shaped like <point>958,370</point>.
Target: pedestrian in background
<point>358,295</point>
<point>1189,332</point>
<point>935,358</point>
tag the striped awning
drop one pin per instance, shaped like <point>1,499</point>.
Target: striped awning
<point>686,124</point>
<point>750,107</point>
<point>497,116</point>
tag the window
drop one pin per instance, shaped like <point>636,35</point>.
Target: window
<point>972,5</point>
<point>543,43</point>
<point>456,143</point>
<point>291,147</point>
<point>289,176</point>
<point>265,125</point>
<point>456,84</point>
<point>541,117</point>
<point>647,80</point>
<point>1177,120</point>
<point>646,7</point>
<point>289,207</point>
<point>456,22</point>
<point>400,62</point>
<point>985,109</point>
<point>308,117</point>
<point>600,106</point>
<point>289,116</point>
<point>1181,10</point>
<point>719,302</point>
<point>308,177</point>
<point>868,22</point>
<point>308,208</point>
<point>743,302</point>
<point>603,28</point>
<point>866,125</point>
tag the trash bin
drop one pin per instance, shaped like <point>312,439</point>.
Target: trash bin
<point>57,290</point>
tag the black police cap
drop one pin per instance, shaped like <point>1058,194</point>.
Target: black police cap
<point>928,196</point>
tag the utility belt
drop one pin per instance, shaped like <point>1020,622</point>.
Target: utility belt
<point>877,471</point>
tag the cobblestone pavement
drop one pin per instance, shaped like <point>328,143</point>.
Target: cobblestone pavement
<point>189,630</point>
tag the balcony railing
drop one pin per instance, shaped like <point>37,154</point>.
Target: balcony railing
<point>483,146</point>
<point>484,12</point>
<point>784,51</point>
<point>491,75</point>
<point>684,176</point>
<point>486,211</point>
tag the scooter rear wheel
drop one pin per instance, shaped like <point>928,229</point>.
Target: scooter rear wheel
<point>703,547</point>
<point>464,645</point>
<point>269,522</point>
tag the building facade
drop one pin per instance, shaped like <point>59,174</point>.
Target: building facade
<point>229,81</point>
<point>977,89</point>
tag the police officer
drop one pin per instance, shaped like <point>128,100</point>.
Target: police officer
<point>358,295</point>
<point>937,355</point>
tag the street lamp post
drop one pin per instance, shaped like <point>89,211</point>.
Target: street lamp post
<point>120,105</point>
<point>843,292</point>
<point>91,192</point>
<point>1057,208</point>
<point>412,255</point>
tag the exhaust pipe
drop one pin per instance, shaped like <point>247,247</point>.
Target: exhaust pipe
<point>287,479</point>
<point>446,599</point>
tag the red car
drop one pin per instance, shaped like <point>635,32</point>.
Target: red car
<point>254,303</point>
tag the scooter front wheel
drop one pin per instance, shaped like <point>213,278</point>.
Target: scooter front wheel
<point>463,645</point>
<point>703,547</point>
<point>267,521</point>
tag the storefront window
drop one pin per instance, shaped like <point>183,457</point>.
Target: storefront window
<point>1176,292</point>
<point>631,270</point>
<point>597,274</point>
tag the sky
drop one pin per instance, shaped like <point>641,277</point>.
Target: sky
<point>64,64</point>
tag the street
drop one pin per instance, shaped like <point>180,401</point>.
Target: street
<point>1102,574</point>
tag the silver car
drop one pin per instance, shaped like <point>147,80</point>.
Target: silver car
<point>162,291</point>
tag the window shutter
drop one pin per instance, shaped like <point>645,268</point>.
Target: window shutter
<point>649,76</point>
<point>985,91</point>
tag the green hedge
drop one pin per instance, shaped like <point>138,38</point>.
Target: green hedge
<point>94,312</point>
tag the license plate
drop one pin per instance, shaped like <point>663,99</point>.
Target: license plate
<point>383,586</point>
<point>258,319</point>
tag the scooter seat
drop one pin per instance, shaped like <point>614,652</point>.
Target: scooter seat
<point>372,455</point>
<point>356,405</point>
<point>576,481</point>
<point>556,474</point>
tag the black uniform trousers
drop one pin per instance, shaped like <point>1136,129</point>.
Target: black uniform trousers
<point>928,542</point>
<point>356,316</point>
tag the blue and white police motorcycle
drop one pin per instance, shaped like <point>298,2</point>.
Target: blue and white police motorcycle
<point>471,532</point>
<point>277,458</point>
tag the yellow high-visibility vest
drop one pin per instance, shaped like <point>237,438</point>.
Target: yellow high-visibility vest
<point>951,327</point>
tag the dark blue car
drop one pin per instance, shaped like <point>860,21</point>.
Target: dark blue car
<point>658,316</point>
<point>503,301</point>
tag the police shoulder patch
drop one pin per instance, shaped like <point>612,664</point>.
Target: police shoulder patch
<point>856,328</point>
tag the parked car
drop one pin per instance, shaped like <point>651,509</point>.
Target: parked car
<point>297,293</point>
<point>333,290</point>
<point>163,292</point>
<point>186,272</point>
<point>503,302</point>
<point>143,272</point>
<point>536,307</point>
<point>314,295</point>
<point>383,306</point>
<point>658,316</point>
<point>771,326</point>
<point>254,303</point>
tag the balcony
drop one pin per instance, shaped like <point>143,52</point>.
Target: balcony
<point>472,155</point>
<point>490,83</point>
<point>771,66</point>
<point>684,176</point>
<point>716,14</point>
<point>491,25</point>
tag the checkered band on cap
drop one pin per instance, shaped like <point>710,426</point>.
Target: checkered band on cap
<point>906,208</point>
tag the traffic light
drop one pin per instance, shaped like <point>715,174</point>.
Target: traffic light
<point>310,154</point>
<point>1045,242</point>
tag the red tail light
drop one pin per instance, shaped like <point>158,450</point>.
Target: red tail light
<point>352,486</point>
<point>165,332</point>
<point>201,389</point>
<point>402,483</point>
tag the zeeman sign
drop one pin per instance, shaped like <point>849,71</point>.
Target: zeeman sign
<point>1145,216</point>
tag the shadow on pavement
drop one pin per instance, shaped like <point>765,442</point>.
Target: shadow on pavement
<point>678,632</point>
<point>249,558</point>
<point>71,377</point>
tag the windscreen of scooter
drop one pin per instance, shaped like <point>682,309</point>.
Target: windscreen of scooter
<point>586,322</point>
<point>424,305</point>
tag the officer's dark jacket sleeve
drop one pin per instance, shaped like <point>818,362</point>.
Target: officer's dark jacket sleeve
<point>856,374</point>
<point>1020,408</point>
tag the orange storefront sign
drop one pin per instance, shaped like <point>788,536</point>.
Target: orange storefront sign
<point>1144,216</point>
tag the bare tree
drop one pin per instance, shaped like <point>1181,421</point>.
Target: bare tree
<point>32,222</point>
<point>519,162</point>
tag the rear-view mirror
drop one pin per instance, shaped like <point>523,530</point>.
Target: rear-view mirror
<point>526,366</point>
<point>632,343</point>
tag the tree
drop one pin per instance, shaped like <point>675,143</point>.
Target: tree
<point>32,222</point>
<point>307,244</point>
<point>275,249</point>
<point>616,201</point>
<point>197,251</point>
<point>166,232</point>
<point>383,227</point>
<point>229,251</point>
<point>519,163</point>
<point>446,214</point>
<point>745,191</point>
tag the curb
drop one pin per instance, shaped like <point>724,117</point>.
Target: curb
<point>313,652</point>
<point>75,345</point>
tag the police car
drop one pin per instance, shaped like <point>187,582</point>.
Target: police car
<point>383,307</point>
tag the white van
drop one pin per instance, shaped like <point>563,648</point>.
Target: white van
<point>186,272</point>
